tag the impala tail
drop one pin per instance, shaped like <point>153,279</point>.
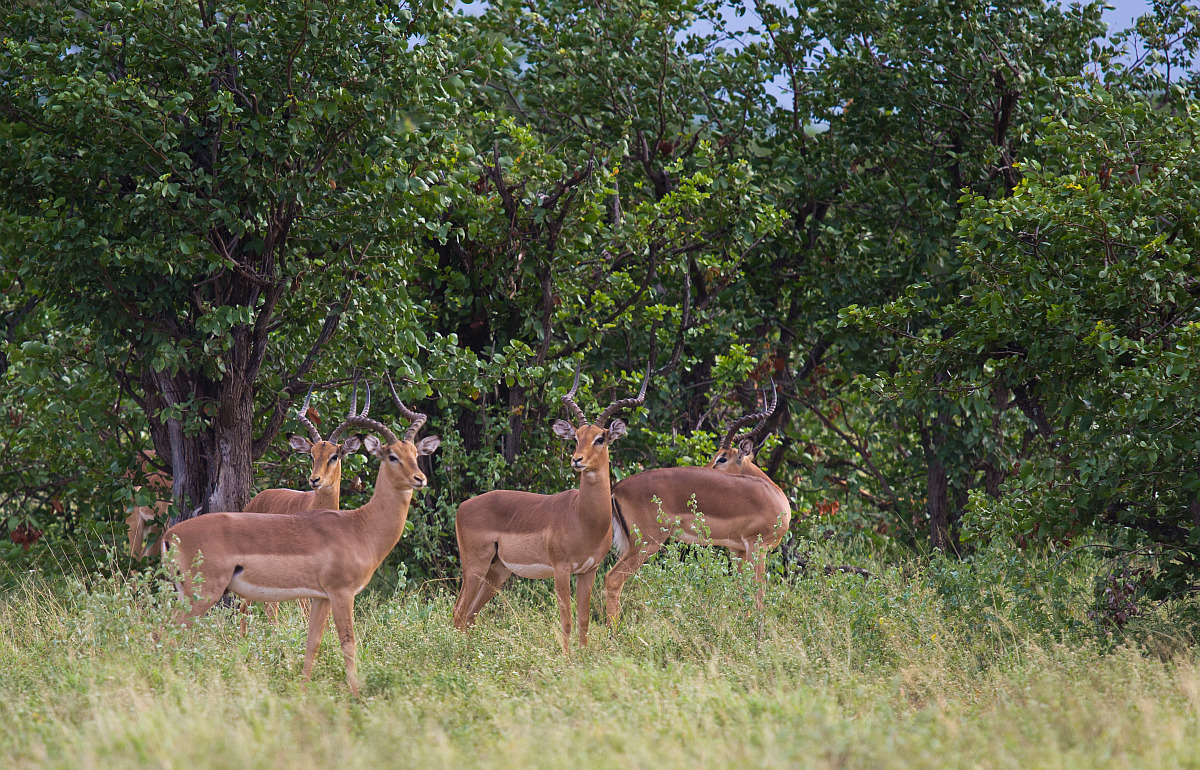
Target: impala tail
<point>620,530</point>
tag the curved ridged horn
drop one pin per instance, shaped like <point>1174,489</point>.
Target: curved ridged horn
<point>641,396</point>
<point>418,419</point>
<point>302,416</point>
<point>333,437</point>
<point>760,416</point>
<point>373,425</point>
<point>569,399</point>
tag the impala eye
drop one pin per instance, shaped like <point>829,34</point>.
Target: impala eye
<point>599,440</point>
<point>722,459</point>
<point>393,458</point>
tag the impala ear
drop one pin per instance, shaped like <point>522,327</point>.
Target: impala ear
<point>351,444</point>
<point>428,445</point>
<point>615,430</point>
<point>746,449</point>
<point>299,443</point>
<point>563,430</point>
<point>373,445</point>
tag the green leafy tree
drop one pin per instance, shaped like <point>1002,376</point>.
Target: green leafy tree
<point>889,111</point>
<point>1083,299</point>
<point>208,192</point>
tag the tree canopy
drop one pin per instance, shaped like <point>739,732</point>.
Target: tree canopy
<point>959,237</point>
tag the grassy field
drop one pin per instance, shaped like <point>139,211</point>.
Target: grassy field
<point>943,664</point>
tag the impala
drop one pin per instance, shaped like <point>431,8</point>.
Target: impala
<point>325,478</point>
<point>507,532</point>
<point>143,536</point>
<point>743,510</point>
<point>326,555</point>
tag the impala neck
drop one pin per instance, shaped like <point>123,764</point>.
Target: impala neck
<point>328,498</point>
<point>752,469</point>
<point>595,499</point>
<point>385,513</point>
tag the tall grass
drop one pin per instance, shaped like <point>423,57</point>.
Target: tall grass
<point>916,667</point>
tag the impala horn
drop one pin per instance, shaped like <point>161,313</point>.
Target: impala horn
<point>361,419</point>
<point>417,418</point>
<point>569,399</point>
<point>353,416</point>
<point>760,416</point>
<point>302,416</point>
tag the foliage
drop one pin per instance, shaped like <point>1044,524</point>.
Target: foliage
<point>1081,301</point>
<point>199,196</point>
<point>210,208</point>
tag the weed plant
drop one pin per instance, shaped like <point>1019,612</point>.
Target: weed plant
<point>988,662</point>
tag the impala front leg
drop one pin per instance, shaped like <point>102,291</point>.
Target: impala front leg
<point>562,587</point>
<point>316,629</point>
<point>583,600</point>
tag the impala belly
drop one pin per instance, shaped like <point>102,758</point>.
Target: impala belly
<point>260,593</point>
<point>531,571</point>
<point>544,571</point>
<point>283,581</point>
<point>687,534</point>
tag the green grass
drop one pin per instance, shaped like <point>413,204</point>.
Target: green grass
<point>837,672</point>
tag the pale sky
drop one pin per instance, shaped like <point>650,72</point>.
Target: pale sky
<point>1123,12</point>
<point>1119,17</point>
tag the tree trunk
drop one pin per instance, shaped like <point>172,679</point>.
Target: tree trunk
<point>230,474</point>
<point>210,469</point>
<point>937,491</point>
<point>938,505</point>
<point>516,422</point>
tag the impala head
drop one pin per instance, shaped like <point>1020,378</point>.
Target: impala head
<point>739,460</point>
<point>398,457</point>
<point>593,440</point>
<point>327,454</point>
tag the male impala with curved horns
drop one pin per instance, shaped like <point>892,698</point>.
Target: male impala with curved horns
<point>743,510</point>
<point>325,478</point>
<point>507,532</point>
<point>328,556</point>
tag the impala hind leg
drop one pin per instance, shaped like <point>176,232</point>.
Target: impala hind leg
<point>630,562</point>
<point>760,576</point>
<point>754,559</point>
<point>316,629</point>
<point>476,565</point>
<point>472,581</point>
<point>493,581</point>
<point>343,620</point>
<point>211,592</point>
<point>245,612</point>
<point>271,608</point>
<point>583,601</point>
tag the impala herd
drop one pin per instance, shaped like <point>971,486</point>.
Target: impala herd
<point>288,544</point>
